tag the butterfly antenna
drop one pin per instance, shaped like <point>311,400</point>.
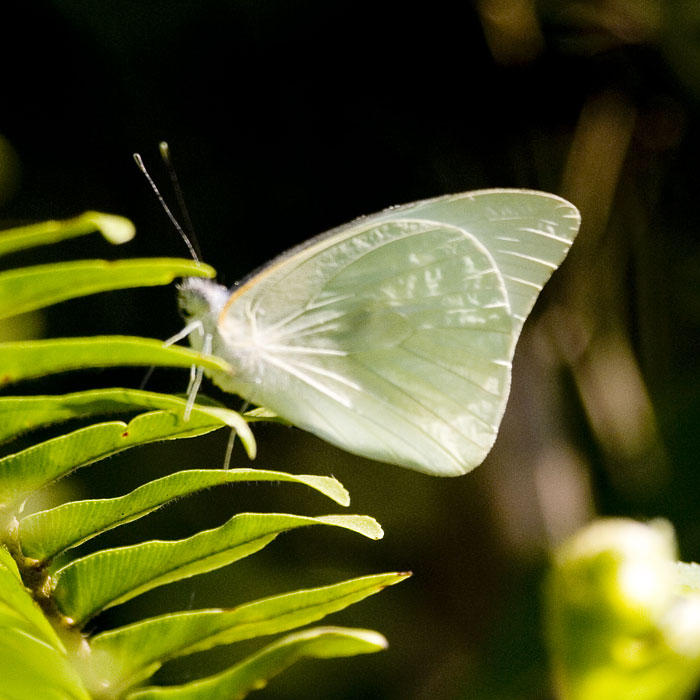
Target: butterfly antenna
<point>164,149</point>
<point>166,208</point>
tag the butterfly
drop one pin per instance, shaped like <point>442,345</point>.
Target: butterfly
<point>392,336</point>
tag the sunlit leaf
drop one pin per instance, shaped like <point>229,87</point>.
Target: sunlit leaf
<point>45,534</point>
<point>19,414</point>
<point>30,288</point>
<point>138,650</point>
<point>36,358</point>
<point>87,586</point>
<point>115,229</point>
<point>39,465</point>
<point>257,670</point>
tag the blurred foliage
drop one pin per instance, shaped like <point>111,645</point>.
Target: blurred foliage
<point>288,118</point>
<point>623,615</point>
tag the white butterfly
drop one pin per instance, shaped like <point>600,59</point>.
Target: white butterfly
<point>392,336</point>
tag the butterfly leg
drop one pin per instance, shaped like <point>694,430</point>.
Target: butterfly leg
<point>195,372</point>
<point>196,382</point>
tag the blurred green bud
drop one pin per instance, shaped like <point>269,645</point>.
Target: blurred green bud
<point>623,616</point>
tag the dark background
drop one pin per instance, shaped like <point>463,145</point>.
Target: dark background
<point>288,118</point>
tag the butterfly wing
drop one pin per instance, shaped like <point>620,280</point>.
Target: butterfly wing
<point>393,336</point>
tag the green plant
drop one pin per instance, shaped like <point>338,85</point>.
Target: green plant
<point>623,615</point>
<point>46,597</point>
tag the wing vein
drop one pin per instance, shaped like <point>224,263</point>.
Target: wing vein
<point>388,405</point>
<point>532,258</point>
<point>547,234</point>
<point>422,405</point>
<point>413,352</point>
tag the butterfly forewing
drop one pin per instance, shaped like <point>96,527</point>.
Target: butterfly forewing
<point>528,234</point>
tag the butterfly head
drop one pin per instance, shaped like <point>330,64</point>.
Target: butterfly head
<point>201,302</point>
<point>200,298</point>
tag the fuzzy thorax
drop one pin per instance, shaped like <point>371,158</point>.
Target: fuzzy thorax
<point>201,302</point>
